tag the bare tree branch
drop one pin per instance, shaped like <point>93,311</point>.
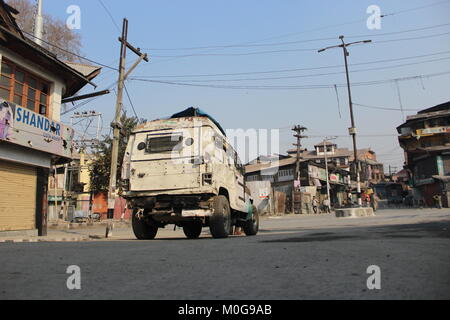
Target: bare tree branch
<point>55,31</point>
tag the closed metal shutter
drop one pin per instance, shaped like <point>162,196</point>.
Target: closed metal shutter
<point>17,197</point>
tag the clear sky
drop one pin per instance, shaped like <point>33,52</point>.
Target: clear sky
<point>274,36</point>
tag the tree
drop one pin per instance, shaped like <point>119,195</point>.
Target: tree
<point>100,167</point>
<point>55,31</point>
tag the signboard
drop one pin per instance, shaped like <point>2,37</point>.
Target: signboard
<point>317,173</point>
<point>334,178</point>
<point>431,131</point>
<point>264,193</point>
<point>24,127</point>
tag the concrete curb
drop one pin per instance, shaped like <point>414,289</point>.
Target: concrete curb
<point>355,213</point>
<point>35,240</point>
<point>71,226</point>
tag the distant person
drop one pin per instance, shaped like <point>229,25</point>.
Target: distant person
<point>350,199</point>
<point>374,201</point>
<point>315,205</point>
<point>327,205</point>
<point>438,201</point>
<point>368,200</point>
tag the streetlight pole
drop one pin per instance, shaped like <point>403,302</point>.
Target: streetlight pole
<point>38,24</point>
<point>352,130</point>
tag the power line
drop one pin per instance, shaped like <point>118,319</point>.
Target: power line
<point>235,54</point>
<point>293,87</point>
<point>294,69</point>
<point>312,75</point>
<point>413,38</point>
<point>311,30</point>
<point>77,106</point>
<point>70,52</point>
<point>131,102</point>
<point>418,8</point>
<point>309,40</point>
<point>285,50</point>
<point>110,15</point>
<point>383,108</point>
<point>298,41</point>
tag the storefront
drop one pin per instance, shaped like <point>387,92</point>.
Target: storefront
<point>30,144</point>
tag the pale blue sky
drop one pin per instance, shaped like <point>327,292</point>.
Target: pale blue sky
<point>199,23</point>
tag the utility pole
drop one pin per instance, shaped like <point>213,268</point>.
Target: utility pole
<point>326,163</point>
<point>352,130</point>
<point>298,134</point>
<point>116,125</point>
<point>38,24</point>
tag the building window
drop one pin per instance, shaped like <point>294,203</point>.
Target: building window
<point>24,89</point>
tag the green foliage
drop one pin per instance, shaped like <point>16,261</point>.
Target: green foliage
<point>100,167</point>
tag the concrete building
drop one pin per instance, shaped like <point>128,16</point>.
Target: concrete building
<point>279,175</point>
<point>33,83</point>
<point>339,156</point>
<point>70,197</point>
<point>279,171</point>
<point>425,137</point>
<point>372,171</point>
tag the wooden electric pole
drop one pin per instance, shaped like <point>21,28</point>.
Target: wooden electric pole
<point>116,125</point>
<point>298,130</point>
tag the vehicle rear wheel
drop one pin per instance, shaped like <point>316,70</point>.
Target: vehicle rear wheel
<point>143,229</point>
<point>192,229</point>
<point>220,220</point>
<point>251,227</point>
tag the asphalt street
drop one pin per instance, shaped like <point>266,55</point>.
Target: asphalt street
<point>293,257</point>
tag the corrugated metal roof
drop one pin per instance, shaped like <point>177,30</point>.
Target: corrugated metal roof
<point>269,165</point>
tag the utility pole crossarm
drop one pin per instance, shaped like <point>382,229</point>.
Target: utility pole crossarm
<point>136,51</point>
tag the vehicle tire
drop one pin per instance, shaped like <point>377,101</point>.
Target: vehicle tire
<point>143,229</point>
<point>251,227</point>
<point>192,229</point>
<point>220,220</point>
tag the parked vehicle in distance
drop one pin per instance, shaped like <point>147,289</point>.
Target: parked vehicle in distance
<point>183,171</point>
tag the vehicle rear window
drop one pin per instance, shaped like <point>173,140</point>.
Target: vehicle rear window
<point>163,144</point>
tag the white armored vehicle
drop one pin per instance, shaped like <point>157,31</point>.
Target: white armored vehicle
<point>183,171</point>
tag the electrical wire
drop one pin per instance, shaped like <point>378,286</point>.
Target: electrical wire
<point>307,31</point>
<point>77,106</point>
<point>294,69</point>
<point>286,50</point>
<point>413,38</point>
<point>299,41</point>
<point>69,52</point>
<point>293,87</point>
<point>131,102</point>
<point>310,75</point>
<point>382,108</point>
<point>310,30</point>
<point>110,15</point>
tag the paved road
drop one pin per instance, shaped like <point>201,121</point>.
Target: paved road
<point>293,257</point>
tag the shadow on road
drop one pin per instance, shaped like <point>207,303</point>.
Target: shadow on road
<point>407,231</point>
